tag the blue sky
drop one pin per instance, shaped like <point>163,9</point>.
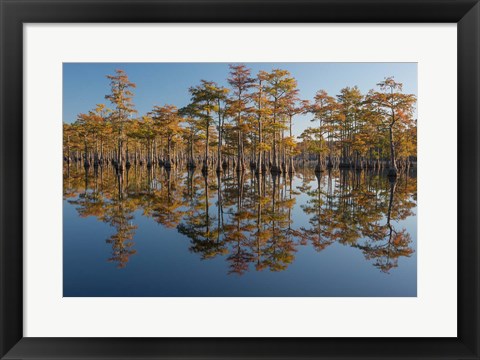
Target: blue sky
<point>85,84</point>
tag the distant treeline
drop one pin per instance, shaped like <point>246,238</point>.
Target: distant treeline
<point>249,124</point>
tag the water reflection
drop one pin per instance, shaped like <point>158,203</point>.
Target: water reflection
<point>253,221</point>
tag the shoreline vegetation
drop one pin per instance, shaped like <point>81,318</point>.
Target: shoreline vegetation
<point>248,125</point>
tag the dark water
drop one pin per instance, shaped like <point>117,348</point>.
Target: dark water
<point>159,233</point>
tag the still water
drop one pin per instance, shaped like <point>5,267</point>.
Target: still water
<point>154,232</point>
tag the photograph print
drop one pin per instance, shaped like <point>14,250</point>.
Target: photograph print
<point>239,179</point>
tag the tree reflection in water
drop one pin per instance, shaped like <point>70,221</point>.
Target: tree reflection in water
<point>253,221</point>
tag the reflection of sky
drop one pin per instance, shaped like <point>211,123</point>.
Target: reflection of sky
<point>85,84</point>
<point>164,266</point>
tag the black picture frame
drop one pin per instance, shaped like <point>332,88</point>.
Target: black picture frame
<point>14,13</point>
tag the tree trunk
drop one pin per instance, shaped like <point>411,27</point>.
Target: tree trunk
<point>275,168</point>
<point>219,150</point>
<point>205,160</point>
<point>393,165</point>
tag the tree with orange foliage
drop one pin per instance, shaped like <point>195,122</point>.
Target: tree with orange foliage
<point>121,96</point>
<point>394,108</point>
